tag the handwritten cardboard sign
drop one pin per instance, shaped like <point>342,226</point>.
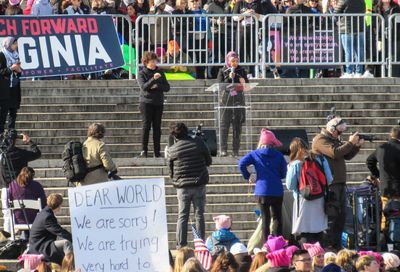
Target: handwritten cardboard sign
<point>120,226</point>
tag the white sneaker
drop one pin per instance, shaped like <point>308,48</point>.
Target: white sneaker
<point>357,75</point>
<point>367,74</point>
<point>346,75</point>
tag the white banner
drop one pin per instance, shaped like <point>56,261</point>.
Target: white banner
<point>120,226</point>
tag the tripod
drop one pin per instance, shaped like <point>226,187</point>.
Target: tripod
<point>9,176</point>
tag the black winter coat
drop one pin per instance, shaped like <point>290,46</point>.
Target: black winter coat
<point>354,24</point>
<point>44,232</point>
<point>5,73</point>
<point>19,159</point>
<point>152,90</point>
<point>223,77</point>
<point>188,160</point>
<point>388,157</point>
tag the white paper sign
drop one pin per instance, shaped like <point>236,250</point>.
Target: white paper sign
<point>120,226</point>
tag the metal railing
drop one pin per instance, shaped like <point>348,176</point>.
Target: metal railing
<point>204,39</point>
<point>323,40</point>
<point>123,25</point>
<point>392,38</point>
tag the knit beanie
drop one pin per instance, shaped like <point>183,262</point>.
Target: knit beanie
<point>268,138</point>
<point>392,261</point>
<point>377,256</point>
<point>314,249</point>
<point>275,243</point>
<point>279,258</point>
<point>290,250</point>
<point>222,222</point>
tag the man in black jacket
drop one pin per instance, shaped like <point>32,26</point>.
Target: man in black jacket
<point>188,160</point>
<point>45,230</point>
<point>17,157</point>
<point>387,156</point>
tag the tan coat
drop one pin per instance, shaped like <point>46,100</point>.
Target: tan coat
<point>336,152</point>
<point>95,154</point>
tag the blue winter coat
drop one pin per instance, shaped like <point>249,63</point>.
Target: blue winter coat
<point>222,237</point>
<point>270,166</point>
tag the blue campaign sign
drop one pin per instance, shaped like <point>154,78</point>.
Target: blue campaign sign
<point>64,44</point>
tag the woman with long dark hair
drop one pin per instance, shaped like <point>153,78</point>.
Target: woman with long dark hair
<point>24,188</point>
<point>309,218</point>
<point>271,167</point>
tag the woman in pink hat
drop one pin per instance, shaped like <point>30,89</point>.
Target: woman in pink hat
<point>270,167</point>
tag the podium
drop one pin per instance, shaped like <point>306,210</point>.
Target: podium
<point>232,111</point>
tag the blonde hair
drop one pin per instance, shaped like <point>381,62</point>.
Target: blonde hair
<point>364,261</point>
<point>345,258</point>
<point>259,260</point>
<point>54,201</point>
<point>329,258</point>
<point>68,263</point>
<point>182,255</point>
<point>193,265</point>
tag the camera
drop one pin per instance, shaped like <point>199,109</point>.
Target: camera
<point>367,137</point>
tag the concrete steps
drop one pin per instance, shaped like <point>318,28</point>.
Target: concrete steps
<point>54,112</point>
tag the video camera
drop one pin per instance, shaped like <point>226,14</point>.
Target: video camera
<point>367,137</point>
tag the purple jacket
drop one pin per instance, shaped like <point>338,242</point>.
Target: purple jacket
<point>33,191</point>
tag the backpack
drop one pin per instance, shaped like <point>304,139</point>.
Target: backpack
<point>219,246</point>
<point>12,249</point>
<point>313,182</point>
<point>74,167</point>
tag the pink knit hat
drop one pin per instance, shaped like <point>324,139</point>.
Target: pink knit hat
<point>275,243</point>
<point>222,222</point>
<point>31,261</point>
<point>268,138</point>
<point>314,249</point>
<point>290,250</point>
<point>279,258</point>
<point>378,257</point>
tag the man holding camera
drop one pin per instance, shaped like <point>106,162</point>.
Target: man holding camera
<point>17,157</point>
<point>188,161</point>
<point>329,144</point>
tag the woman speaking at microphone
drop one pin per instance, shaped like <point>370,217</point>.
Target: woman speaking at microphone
<point>232,72</point>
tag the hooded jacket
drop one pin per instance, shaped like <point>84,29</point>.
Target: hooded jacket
<point>42,7</point>
<point>188,160</point>
<point>270,166</point>
<point>336,152</point>
<point>152,90</point>
<point>222,237</point>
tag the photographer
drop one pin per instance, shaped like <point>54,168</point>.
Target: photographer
<point>329,144</point>
<point>188,160</point>
<point>17,157</point>
<point>387,156</point>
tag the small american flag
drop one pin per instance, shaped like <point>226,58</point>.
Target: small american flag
<point>201,250</point>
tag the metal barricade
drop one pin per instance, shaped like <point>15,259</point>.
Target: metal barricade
<point>203,40</point>
<point>124,27</point>
<point>322,40</point>
<point>393,52</point>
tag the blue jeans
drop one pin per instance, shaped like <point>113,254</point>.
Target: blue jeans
<point>353,45</point>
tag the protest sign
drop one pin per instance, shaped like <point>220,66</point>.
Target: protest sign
<point>64,45</point>
<point>120,226</point>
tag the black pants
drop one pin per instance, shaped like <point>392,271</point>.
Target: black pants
<point>236,118</point>
<point>12,117</point>
<point>271,207</point>
<point>3,116</point>
<point>151,117</point>
<point>336,224</point>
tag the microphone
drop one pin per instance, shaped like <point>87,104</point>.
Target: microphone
<point>232,70</point>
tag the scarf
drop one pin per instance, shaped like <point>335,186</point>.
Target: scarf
<point>12,57</point>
